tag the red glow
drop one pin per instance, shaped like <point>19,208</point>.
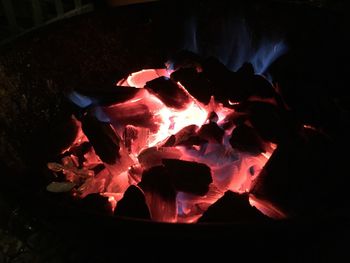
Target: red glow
<point>147,123</point>
<point>266,208</point>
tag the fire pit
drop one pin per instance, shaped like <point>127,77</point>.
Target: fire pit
<point>150,144</point>
<point>172,142</point>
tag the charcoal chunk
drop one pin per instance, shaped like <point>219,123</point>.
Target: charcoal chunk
<point>170,142</point>
<point>247,139</point>
<point>236,86</point>
<point>129,135</point>
<point>195,83</point>
<point>246,69</point>
<point>272,123</point>
<point>153,156</point>
<point>157,179</point>
<point>133,204</point>
<point>192,140</point>
<point>211,132</point>
<point>187,136</point>
<point>184,59</point>
<point>160,194</point>
<point>234,119</point>
<point>102,137</point>
<point>168,92</point>
<point>185,133</point>
<point>213,117</point>
<point>190,177</point>
<point>109,95</point>
<point>132,113</point>
<point>102,88</point>
<point>232,207</point>
<point>299,177</point>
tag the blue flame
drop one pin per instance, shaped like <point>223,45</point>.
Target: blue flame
<point>233,43</point>
<point>101,115</point>
<point>267,53</point>
<point>191,35</point>
<point>83,102</point>
<point>80,100</point>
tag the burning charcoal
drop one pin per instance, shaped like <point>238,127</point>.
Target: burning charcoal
<point>98,168</point>
<point>272,123</point>
<point>185,133</point>
<point>168,92</point>
<point>140,78</point>
<point>193,140</point>
<point>236,86</point>
<point>135,174</point>
<point>246,139</point>
<point>102,137</point>
<point>129,135</point>
<point>170,142</point>
<point>79,151</point>
<point>189,177</point>
<point>109,95</point>
<point>133,204</point>
<point>153,156</point>
<point>297,178</point>
<point>160,194</point>
<point>60,187</point>
<point>233,119</point>
<point>97,204</point>
<point>187,136</point>
<point>157,179</point>
<point>132,113</point>
<point>184,59</point>
<point>213,117</point>
<point>232,207</point>
<point>196,84</point>
<point>211,132</point>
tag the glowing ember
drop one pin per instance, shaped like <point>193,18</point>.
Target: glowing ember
<point>147,132</point>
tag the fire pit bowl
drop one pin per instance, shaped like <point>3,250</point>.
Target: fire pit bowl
<point>97,49</point>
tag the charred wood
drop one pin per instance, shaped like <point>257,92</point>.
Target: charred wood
<point>168,92</point>
<point>133,204</point>
<point>102,137</point>
<point>189,177</point>
<point>232,207</point>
